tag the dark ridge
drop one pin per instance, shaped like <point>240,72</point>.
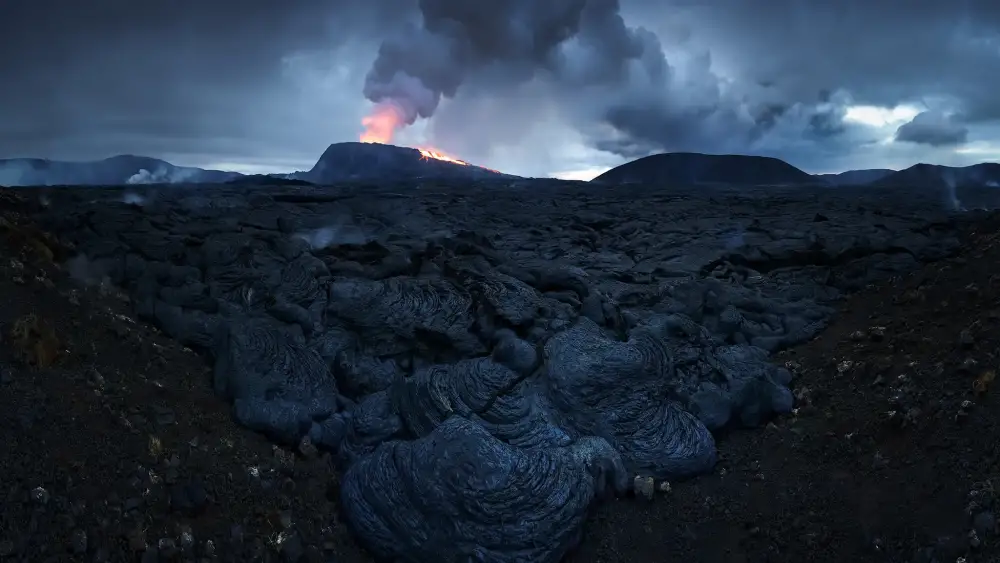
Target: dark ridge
<point>113,171</point>
<point>933,176</point>
<point>856,177</point>
<point>697,168</point>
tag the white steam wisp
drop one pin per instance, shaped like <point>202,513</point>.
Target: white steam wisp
<point>333,235</point>
<point>951,186</point>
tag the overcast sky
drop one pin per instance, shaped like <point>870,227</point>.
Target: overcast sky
<point>531,87</point>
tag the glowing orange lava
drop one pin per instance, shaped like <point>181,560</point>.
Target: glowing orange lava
<point>381,125</point>
<point>430,153</point>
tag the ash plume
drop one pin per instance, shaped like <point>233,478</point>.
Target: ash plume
<point>581,48</point>
<point>455,40</point>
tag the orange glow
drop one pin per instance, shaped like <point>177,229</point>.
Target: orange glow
<point>427,154</point>
<point>431,153</point>
<point>382,124</point>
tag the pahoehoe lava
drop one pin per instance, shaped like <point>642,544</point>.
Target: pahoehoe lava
<point>485,360</point>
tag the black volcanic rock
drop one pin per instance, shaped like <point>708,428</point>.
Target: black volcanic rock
<point>114,171</point>
<point>856,177</point>
<point>694,168</point>
<point>267,180</point>
<point>486,368</point>
<point>343,162</point>
<point>932,176</point>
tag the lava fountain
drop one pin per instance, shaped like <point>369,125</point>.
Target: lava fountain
<point>381,126</point>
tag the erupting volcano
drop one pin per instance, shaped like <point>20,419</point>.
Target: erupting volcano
<point>381,125</point>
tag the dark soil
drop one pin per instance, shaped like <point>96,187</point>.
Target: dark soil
<point>115,448</point>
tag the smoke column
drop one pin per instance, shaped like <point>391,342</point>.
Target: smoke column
<point>574,44</point>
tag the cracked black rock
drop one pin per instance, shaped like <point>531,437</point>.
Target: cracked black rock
<point>486,359</point>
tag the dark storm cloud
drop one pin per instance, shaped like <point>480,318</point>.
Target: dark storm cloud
<point>930,55</point>
<point>259,79</point>
<point>765,117</point>
<point>709,76</point>
<point>942,56</point>
<point>933,128</point>
<point>90,78</point>
<point>825,123</point>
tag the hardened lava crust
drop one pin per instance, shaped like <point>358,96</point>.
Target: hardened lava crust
<point>531,371</point>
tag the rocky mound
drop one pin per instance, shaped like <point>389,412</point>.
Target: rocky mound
<point>374,162</point>
<point>114,171</point>
<point>483,368</point>
<point>686,169</point>
<point>856,177</point>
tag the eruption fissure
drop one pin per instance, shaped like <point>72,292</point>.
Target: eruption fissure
<point>428,154</point>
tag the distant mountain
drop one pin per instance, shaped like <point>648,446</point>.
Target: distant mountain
<point>933,176</point>
<point>340,162</point>
<point>856,177</point>
<point>373,162</point>
<point>697,168</point>
<point>117,170</point>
